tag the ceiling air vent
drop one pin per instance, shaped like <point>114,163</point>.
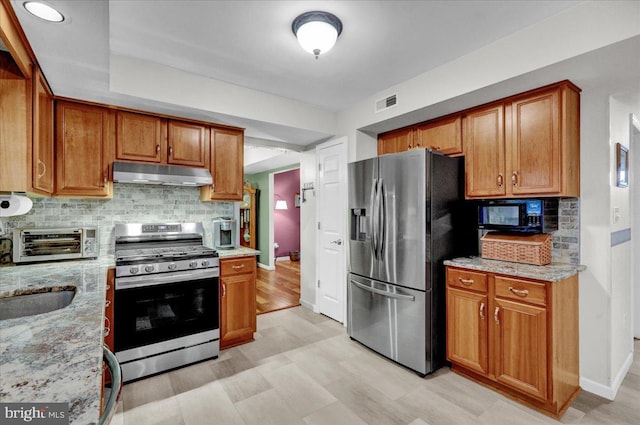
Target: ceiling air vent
<point>386,103</point>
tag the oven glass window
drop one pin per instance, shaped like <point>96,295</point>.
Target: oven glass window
<point>503,215</point>
<point>151,314</point>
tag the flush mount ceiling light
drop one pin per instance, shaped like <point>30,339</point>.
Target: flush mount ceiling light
<point>317,31</point>
<point>43,11</point>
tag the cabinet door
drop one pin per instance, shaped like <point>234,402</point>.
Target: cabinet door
<point>484,152</point>
<point>237,304</point>
<point>84,149</point>
<point>227,166</point>
<point>443,135</point>
<point>521,347</point>
<point>188,144</point>
<point>395,141</point>
<point>467,329</point>
<point>533,145</point>
<point>43,162</point>
<point>141,138</point>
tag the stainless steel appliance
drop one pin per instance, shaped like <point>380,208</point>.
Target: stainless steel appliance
<point>54,243</point>
<point>519,215</point>
<point>224,233</point>
<point>167,175</point>
<point>406,217</point>
<point>166,303</point>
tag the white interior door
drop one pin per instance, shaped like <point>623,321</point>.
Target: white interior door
<point>331,213</point>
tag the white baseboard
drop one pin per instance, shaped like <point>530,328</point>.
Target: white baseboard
<point>282,258</point>
<point>263,266</point>
<point>608,392</point>
<point>309,306</point>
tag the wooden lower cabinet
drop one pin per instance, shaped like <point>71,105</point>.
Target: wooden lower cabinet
<point>237,301</point>
<point>517,336</point>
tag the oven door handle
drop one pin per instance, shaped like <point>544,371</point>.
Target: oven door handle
<point>164,278</point>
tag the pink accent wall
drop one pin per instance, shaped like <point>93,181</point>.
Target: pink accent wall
<point>286,223</point>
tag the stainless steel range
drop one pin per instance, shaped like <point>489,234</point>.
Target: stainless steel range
<point>166,305</point>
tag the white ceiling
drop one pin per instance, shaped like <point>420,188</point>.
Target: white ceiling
<point>250,44</point>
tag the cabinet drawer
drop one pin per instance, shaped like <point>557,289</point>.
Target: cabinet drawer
<point>475,281</point>
<point>521,290</point>
<point>233,266</point>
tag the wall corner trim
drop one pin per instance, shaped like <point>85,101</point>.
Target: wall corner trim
<point>310,306</point>
<point>263,266</point>
<point>608,392</point>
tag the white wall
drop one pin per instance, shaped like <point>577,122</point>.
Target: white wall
<point>308,231</point>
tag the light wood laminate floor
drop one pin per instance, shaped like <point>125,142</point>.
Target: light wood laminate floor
<point>279,288</point>
<point>303,369</point>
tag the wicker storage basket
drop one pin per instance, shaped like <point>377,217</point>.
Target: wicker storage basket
<point>528,249</point>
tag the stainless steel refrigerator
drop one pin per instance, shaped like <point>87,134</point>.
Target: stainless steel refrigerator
<point>406,217</point>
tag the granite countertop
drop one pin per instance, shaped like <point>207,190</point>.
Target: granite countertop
<point>554,272</point>
<point>240,251</point>
<point>56,356</point>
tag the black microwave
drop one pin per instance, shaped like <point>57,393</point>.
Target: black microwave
<point>519,215</point>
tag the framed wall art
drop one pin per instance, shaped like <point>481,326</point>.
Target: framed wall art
<point>622,166</point>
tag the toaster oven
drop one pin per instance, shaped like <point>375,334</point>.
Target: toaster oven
<point>50,244</point>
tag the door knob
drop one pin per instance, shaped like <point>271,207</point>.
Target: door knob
<point>337,242</point>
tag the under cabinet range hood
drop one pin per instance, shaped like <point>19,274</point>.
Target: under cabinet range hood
<point>168,175</point>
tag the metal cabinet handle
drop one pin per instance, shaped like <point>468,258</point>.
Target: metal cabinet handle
<point>157,148</point>
<point>495,316</point>
<point>500,180</point>
<point>107,329</point>
<point>482,311</point>
<point>107,304</point>
<point>170,150</point>
<point>514,178</point>
<point>240,267</point>
<point>520,292</point>
<point>224,289</point>
<point>468,282</point>
<point>106,176</point>
<point>44,169</point>
<point>116,386</point>
<point>337,242</point>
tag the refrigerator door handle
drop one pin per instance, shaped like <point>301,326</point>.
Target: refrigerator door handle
<point>382,223</point>
<point>383,293</point>
<point>372,221</point>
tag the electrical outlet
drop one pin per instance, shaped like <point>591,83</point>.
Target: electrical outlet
<point>616,214</point>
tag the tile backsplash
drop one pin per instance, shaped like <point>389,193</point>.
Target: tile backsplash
<point>566,240</point>
<point>131,203</point>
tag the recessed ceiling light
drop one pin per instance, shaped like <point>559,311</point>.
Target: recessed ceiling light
<point>43,11</point>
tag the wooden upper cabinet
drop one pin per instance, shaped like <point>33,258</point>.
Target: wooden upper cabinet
<point>15,126</point>
<point>534,150</point>
<point>141,138</point>
<point>443,135</point>
<point>226,166</point>
<point>533,145</point>
<point>43,143</point>
<point>395,141</point>
<point>85,144</point>
<point>485,152</point>
<point>14,39</point>
<point>188,144</point>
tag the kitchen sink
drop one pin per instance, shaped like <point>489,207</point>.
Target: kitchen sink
<point>32,304</point>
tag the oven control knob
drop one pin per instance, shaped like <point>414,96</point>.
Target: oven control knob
<point>193,264</point>
<point>149,268</point>
<point>134,270</point>
<point>204,263</point>
<point>172,266</point>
